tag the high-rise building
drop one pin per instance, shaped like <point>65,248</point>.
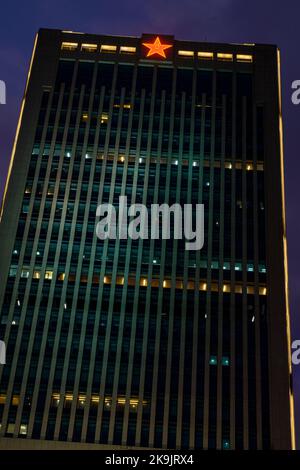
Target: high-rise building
<point>142,342</point>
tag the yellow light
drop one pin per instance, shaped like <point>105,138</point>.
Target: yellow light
<point>108,48</point>
<point>244,58</point>
<point>103,118</point>
<point>186,53</point>
<point>69,46</point>
<point>224,56</point>
<point>127,49</point>
<point>89,47</point>
<point>288,326</point>
<point>205,55</point>
<point>85,117</point>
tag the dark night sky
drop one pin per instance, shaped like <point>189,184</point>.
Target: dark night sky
<point>255,21</point>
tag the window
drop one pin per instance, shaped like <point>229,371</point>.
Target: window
<point>186,53</point>
<point>206,55</point>
<point>127,50</point>
<point>15,400</point>
<point>108,48</point>
<point>225,361</point>
<point>12,271</point>
<point>225,444</point>
<point>23,429</point>
<point>213,360</point>
<point>69,46</point>
<point>244,58</point>
<point>225,57</point>
<point>48,274</point>
<point>25,273</point>
<point>104,118</point>
<point>36,275</point>
<point>84,117</point>
<point>11,428</point>
<point>89,47</point>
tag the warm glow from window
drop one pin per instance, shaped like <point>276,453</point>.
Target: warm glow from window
<point>108,48</point>
<point>48,274</point>
<point>104,118</point>
<point>186,53</point>
<point>15,400</point>
<point>89,47</point>
<point>244,58</point>
<point>69,46</point>
<point>225,57</point>
<point>206,55</point>
<point>127,49</point>
<point>2,399</point>
<point>85,117</point>
<point>124,106</point>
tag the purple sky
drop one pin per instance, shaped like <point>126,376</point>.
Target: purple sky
<point>268,21</point>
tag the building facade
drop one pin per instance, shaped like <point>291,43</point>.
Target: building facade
<point>141,342</point>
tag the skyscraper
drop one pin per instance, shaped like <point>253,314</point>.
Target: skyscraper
<point>141,342</point>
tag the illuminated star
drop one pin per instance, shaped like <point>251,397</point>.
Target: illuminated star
<point>157,48</point>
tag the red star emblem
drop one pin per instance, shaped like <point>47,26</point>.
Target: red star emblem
<point>157,48</point>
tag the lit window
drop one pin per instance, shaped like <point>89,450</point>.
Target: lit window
<point>15,400</point>
<point>127,50</point>
<point>25,273</point>
<point>25,208</point>
<point>213,360</point>
<point>12,272</point>
<point>262,291</point>
<point>89,47</point>
<point>84,117</point>
<point>69,46</point>
<point>2,399</point>
<point>107,403</point>
<point>48,274</point>
<point>107,48</point>
<point>104,118</point>
<point>186,53</point>
<point>23,429</point>
<point>244,58</point>
<point>206,55</point>
<point>36,275</point>
<point>226,444</point>
<point>225,361</point>
<point>11,428</point>
<point>124,106</point>
<point>225,57</point>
